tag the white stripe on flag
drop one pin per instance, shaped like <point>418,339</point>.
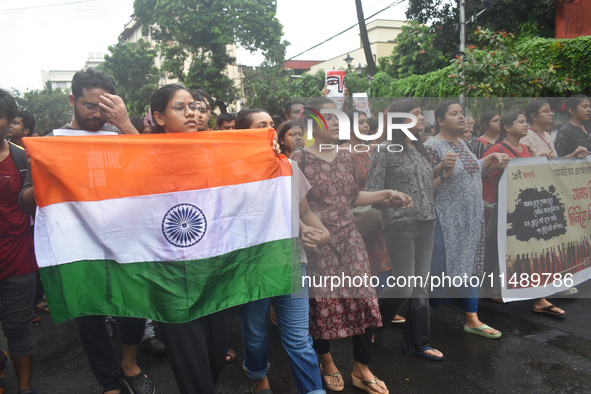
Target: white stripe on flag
<point>130,230</point>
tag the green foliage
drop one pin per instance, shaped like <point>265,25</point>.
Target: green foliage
<point>570,57</point>
<point>50,108</point>
<point>496,69</point>
<point>203,30</point>
<point>525,18</point>
<point>309,85</point>
<point>433,84</point>
<point>272,87</point>
<point>131,64</point>
<point>268,88</point>
<point>414,53</point>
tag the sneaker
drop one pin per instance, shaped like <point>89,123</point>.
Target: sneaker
<point>138,384</point>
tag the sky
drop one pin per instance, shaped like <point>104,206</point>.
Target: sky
<point>59,34</point>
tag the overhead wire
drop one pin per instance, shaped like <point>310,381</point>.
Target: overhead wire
<point>346,30</point>
<point>45,6</point>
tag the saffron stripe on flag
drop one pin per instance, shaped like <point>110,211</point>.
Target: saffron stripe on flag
<point>107,167</point>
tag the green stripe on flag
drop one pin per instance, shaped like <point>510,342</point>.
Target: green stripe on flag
<point>172,292</point>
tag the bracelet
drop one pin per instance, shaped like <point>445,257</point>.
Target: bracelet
<point>441,178</point>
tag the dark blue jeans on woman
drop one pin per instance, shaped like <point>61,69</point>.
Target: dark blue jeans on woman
<point>409,247</point>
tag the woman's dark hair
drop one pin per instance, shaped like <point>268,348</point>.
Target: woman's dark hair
<point>405,105</point>
<point>486,117</point>
<point>428,129</point>
<point>533,108</point>
<point>8,105</point>
<point>138,123</point>
<point>507,120</point>
<point>351,115</point>
<point>316,104</point>
<point>573,102</point>
<point>244,117</point>
<point>284,127</point>
<point>441,110</point>
<point>160,99</point>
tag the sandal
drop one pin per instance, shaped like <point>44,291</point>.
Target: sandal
<point>3,362</point>
<point>364,385</point>
<point>549,310</point>
<point>336,374</point>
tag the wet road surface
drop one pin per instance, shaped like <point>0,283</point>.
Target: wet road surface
<point>536,354</point>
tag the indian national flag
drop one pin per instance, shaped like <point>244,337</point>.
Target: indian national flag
<point>170,227</point>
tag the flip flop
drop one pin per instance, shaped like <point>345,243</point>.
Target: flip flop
<point>548,310</point>
<point>334,375</point>
<point>421,353</point>
<point>480,331</point>
<point>364,385</point>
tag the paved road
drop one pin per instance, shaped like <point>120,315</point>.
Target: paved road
<point>537,354</point>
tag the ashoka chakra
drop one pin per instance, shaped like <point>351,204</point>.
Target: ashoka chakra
<point>184,225</point>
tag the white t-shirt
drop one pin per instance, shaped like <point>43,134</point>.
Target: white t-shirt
<point>299,188</point>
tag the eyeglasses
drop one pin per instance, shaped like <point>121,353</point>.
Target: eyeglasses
<point>181,108</point>
<point>93,107</point>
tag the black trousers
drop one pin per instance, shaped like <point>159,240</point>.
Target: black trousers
<point>197,350</point>
<point>362,350</point>
<point>99,348</point>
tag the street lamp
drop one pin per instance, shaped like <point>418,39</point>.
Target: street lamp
<point>348,60</point>
<point>359,69</point>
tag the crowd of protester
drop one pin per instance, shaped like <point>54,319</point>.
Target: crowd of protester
<point>417,212</point>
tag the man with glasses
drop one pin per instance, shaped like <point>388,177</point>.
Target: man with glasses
<point>94,101</point>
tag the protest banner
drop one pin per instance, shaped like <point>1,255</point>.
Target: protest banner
<point>543,226</point>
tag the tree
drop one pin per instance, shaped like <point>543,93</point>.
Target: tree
<point>524,17</point>
<point>131,64</point>
<point>202,31</point>
<point>414,53</point>
<point>494,69</point>
<point>269,88</point>
<point>50,107</point>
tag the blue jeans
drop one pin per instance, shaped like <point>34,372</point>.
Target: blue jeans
<point>292,318</point>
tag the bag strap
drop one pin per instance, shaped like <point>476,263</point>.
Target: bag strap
<point>19,157</point>
<point>508,147</point>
